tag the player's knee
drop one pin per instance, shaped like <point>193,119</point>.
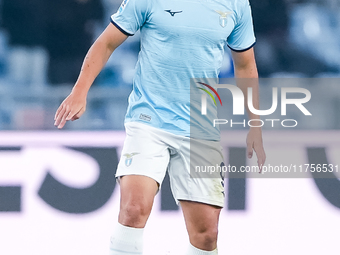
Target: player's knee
<point>134,214</point>
<point>207,238</point>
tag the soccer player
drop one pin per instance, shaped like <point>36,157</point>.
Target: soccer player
<point>180,40</point>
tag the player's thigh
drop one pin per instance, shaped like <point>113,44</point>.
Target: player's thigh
<point>137,196</point>
<point>140,172</point>
<point>138,190</point>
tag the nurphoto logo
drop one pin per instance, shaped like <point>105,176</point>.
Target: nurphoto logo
<point>239,104</point>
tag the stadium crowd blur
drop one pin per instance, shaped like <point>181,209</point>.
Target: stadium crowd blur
<point>43,43</point>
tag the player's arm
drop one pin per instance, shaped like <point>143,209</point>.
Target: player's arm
<point>247,76</point>
<point>75,104</point>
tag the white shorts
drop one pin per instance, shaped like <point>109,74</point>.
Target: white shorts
<point>150,151</point>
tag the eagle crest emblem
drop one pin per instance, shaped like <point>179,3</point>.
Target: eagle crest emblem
<point>128,159</point>
<point>223,17</point>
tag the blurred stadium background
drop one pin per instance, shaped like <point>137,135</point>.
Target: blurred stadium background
<point>51,181</point>
<point>43,43</point>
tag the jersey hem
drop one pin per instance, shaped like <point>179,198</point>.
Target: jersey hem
<point>243,50</point>
<point>180,134</point>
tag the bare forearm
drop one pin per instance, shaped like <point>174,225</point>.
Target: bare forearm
<point>97,56</point>
<point>94,62</point>
<point>74,105</point>
<point>247,77</point>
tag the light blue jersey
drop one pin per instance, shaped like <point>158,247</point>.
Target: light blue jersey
<point>180,40</point>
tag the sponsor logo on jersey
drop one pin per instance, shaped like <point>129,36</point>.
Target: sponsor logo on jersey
<point>172,13</point>
<point>143,116</point>
<point>122,6</point>
<point>223,17</point>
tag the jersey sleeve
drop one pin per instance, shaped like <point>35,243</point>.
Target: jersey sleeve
<point>242,38</point>
<point>130,16</point>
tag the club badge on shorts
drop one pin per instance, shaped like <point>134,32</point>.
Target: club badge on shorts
<point>223,17</point>
<point>129,156</point>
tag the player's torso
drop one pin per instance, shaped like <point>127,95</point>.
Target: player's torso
<point>214,17</point>
<point>180,40</point>
<point>185,32</point>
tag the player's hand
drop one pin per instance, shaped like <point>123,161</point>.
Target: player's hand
<point>255,143</point>
<point>70,109</point>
